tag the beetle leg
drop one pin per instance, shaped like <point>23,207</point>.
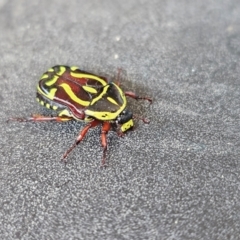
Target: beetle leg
<point>40,118</point>
<point>145,120</point>
<point>120,133</point>
<point>80,137</point>
<point>118,76</point>
<point>133,95</point>
<point>105,128</point>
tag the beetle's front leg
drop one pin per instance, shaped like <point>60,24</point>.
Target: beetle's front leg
<point>133,95</point>
<point>105,128</point>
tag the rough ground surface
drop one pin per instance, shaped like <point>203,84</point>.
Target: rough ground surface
<point>177,178</point>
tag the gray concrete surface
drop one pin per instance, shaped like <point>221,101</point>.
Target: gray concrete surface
<point>176,178</point>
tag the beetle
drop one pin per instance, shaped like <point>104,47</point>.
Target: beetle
<point>79,95</point>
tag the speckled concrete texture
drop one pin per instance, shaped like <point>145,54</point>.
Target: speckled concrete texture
<point>176,178</point>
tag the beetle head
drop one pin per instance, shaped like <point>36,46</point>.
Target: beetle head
<point>125,120</point>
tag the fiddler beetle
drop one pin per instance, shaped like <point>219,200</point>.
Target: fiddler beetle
<point>79,95</point>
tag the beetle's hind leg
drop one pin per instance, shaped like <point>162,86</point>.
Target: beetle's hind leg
<point>105,128</point>
<point>63,116</point>
<point>80,137</point>
<point>40,118</point>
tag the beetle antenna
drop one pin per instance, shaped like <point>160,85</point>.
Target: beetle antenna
<point>145,120</point>
<point>118,76</point>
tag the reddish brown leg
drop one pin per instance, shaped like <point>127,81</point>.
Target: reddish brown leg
<point>118,76</point>
<point>40,118</point>
<point>133,95</point>
<point>105,128</point>
<point>80,137</point>
<point>143,119</point>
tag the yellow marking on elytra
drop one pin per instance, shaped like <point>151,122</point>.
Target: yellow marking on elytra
<point>65,113</point>
<point>47,105</point>
<point>54,107</point>
<point>112,100</point>
<point>50,70</point>
<point>85,75</point>
<point>69,91</point>
<point>51,81</point>
<point>38,99</point>
<point>61,70</point>
<point>42,103</point>
<point>89,89</point>
<point>45,75</point>
<point>100,95</point>
<point>73,68</point>
<point>50,95</point>
<point>40,91</point>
